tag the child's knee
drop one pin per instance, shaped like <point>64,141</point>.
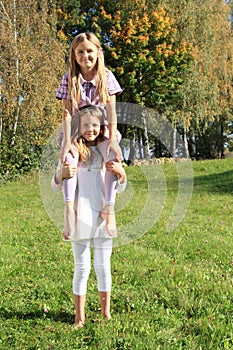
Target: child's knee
<point>103,273</point>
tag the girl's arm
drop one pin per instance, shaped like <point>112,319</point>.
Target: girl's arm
<point>116,168</point>
<point>112,117</point>
<point>66,126</point>
<point>112,126</point>
<point>67,104</point>
<point>66,171</point>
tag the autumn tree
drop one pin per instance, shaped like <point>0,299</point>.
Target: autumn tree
<point>70,19</point>
<point>207,92</point>
<point>31,66</point>
<point>192,85</point>
<point>141,49</point>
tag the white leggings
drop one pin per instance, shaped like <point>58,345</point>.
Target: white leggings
<point>82,264</point>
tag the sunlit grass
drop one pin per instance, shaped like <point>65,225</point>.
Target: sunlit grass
<point>170,290</point>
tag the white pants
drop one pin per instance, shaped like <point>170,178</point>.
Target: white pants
<point>82,264</point>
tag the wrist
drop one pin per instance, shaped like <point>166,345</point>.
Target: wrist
<point>121,179</point>
<point>112,138</point>
<point>121,176</point>
<point>112,127</point>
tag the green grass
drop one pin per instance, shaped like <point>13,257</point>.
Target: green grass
<point>170,290</point>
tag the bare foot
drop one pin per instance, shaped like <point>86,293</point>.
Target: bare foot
<point>107,317</point>
<point>66,236</point>
<point>108,215</point>
<point>79,324</point>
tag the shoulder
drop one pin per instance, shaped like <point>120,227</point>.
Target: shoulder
<point>114,87</point>
<point>64,77</point>
<point>62,91</point>
<point>110,74</point>
<point>64,80</point>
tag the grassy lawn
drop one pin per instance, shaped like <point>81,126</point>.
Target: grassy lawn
<point>171,290</point>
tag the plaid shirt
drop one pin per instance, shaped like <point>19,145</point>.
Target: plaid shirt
<point>88,89</point>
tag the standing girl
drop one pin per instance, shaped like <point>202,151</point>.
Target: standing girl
<point>89,126</point>
<point>89,82</point>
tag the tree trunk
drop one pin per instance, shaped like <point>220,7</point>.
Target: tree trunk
<point>186,147</point>
<point>140,143</point>
<point>222,140</point>
<point>173,141</point>
<point>145,137</point>
<point>132,153</point>
<point>12,141</point>
<point>192,146</point>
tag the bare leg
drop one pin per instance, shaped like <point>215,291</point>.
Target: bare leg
<point>105,304</point>
<point>69,188</point>
<point>69,221</point>
<point>107,213</point>
<point>79,302</point>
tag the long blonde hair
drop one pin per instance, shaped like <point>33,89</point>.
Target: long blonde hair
<point>74,71</point>
<point>76,137</point>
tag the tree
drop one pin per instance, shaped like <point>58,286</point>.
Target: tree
<point>141,49</point>
<point>69,18</point>
<point>32,63</point>
<point>207,92</point>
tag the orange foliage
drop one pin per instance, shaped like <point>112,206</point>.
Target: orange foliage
<point>144,50</point>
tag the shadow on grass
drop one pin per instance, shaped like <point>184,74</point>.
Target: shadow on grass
<point>59,316</point>
<point>220,182</point>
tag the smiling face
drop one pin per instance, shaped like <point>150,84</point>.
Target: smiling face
<point>89,127</point>
<point>86,55</point>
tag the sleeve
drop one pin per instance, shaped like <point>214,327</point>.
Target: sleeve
<point>113,85</point>
<point>62,91</point>
<point>120,187</point>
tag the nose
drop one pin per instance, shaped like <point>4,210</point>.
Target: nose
<point>90,127</point>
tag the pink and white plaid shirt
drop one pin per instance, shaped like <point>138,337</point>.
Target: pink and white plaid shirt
<point>88,89</point>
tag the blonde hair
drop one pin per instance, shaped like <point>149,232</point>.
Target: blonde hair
<point>74,71</point>
<point>77,139</point>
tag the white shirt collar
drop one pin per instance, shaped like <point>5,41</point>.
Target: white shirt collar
<point>82,80</point>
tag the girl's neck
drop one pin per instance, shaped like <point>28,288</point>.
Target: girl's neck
<point>88,75</point>
<point>92,143</point>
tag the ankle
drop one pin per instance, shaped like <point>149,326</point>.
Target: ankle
<point>106,314</point>
<point>79,320</point>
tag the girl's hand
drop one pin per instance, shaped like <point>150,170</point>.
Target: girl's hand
<point>116,168</point>
<point>68,171</point>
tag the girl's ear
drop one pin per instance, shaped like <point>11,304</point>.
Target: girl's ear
<point>100,51</point>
